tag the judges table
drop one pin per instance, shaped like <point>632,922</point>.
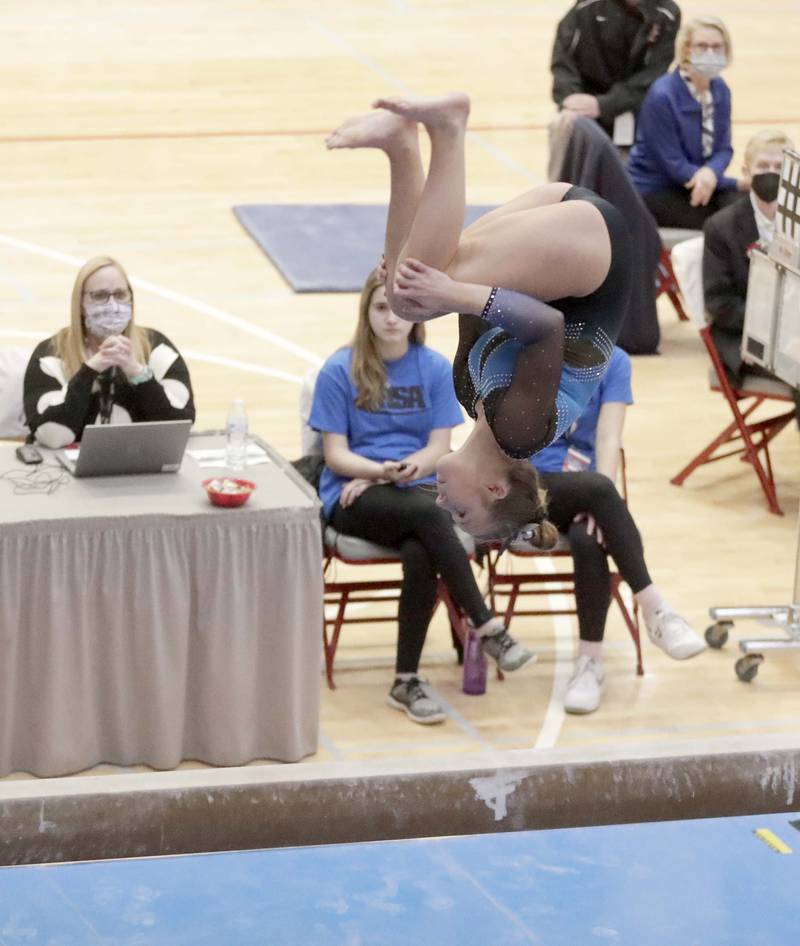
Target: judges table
<point>141,624</point>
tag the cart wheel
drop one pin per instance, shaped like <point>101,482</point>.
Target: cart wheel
<point>747,667</point>
<point>717,634</point>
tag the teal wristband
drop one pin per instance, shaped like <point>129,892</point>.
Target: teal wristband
<point>143,376</point>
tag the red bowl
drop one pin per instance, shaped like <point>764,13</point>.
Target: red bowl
<point>219,497</point>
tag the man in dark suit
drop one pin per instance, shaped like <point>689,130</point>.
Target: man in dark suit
<point>729,236</point>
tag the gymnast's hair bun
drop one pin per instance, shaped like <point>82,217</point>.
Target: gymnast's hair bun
<point>540,535</point>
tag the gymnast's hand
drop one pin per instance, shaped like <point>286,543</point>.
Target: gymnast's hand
<point>421,292</point>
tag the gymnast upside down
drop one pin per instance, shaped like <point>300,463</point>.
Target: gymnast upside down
<point>541,286</point>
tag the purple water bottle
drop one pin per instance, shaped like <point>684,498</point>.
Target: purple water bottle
<point>474,665</point>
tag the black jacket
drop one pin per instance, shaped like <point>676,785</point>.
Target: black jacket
<point>591,160</point>
<point>599,50</point>
<point>726,267</point>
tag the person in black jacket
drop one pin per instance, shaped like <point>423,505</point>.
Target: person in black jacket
<point>103,368</point>
<point>607,54</point>
<point>729,236</point>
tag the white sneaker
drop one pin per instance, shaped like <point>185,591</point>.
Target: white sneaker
<point>585,686</point>
<point>675,636</point>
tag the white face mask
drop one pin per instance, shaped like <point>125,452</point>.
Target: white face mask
<point>104,319</point>
<point>709,64</point>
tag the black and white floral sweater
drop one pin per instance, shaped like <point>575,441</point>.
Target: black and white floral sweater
<point>57,410</point>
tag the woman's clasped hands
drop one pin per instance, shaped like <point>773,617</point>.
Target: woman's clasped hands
<point>115,351</point>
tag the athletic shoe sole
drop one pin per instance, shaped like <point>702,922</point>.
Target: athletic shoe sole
<point>580,711</point>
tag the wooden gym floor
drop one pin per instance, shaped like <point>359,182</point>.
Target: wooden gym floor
<point>133,128</point>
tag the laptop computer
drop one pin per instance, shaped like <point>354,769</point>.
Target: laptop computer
<point>123,449</point>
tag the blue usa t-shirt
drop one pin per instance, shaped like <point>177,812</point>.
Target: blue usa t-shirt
<point>420,397</point>
<point>614,386</point>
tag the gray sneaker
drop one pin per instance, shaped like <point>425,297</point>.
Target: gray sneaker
<point>508,653</point>
<point>414,696</point>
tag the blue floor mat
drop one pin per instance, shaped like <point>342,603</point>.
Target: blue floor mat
<point>322,247</point>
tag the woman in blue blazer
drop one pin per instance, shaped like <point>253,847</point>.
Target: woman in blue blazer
<point>683,133</point>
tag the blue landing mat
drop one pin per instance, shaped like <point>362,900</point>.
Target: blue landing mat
<point>685,883</point>
<point>322,247</point>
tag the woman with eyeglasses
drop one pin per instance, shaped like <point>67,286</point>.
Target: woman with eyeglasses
<point>683,132</point>
<point>103,368</point>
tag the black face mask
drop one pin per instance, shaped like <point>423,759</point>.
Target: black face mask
<point>765,186</point>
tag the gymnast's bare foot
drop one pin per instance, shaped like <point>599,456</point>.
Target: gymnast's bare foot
<point>441,111</point>
<point>382,129</point>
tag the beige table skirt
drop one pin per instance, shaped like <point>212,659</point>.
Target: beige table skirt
<point>154,639</point>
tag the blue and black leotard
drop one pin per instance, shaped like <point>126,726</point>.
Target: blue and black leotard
<point>534,366</point>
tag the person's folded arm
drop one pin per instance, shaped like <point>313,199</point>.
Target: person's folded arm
<point>656,125</point>
<point>608,438</point>
<point>56,410</point>
<point>342,461</point>
<point>526,419</point>
<point>425,459</point>
<point>722,154</point>
<point>167,395</point>
<point>528,319</point>
<point>718,161</point>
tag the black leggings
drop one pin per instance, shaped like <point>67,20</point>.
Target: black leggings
<point>571,493</point>
<point>409,520</point>
<point>671,208</point>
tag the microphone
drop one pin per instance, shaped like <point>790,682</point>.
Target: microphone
<point>108,382</point>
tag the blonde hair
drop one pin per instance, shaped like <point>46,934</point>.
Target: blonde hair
<point>367,368</point>
<point>687,32</point>
<point>525,504</point>
<point>70,343</point>
<point>762,139</point>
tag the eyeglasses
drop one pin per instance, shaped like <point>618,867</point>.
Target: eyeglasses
<point>103,295</point>
<point>709,47</point>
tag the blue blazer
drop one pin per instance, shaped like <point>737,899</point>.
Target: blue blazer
<point>668,147</point>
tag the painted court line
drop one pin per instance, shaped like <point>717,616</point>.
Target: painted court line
<point>369,63</point>
<point>201,134</point>
<point>463,724</point>
<point>247,366</point>
<point>327,743</point>
<point>17,285</point>
<point>564,653</point>
<point>219,315</point>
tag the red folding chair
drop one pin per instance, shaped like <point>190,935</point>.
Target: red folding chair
<point>341,594</point>
<point>752,437</point>
<point>516,585</point>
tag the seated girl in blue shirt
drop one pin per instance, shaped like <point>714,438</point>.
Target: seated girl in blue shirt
<point>524,370</point>
<point>385,406</point>
<point>578,471</point>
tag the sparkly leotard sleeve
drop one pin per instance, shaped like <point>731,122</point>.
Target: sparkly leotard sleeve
<point>533,366</point>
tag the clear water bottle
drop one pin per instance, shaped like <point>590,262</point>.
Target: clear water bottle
<point>474,665</point>
<point>236,437</point>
